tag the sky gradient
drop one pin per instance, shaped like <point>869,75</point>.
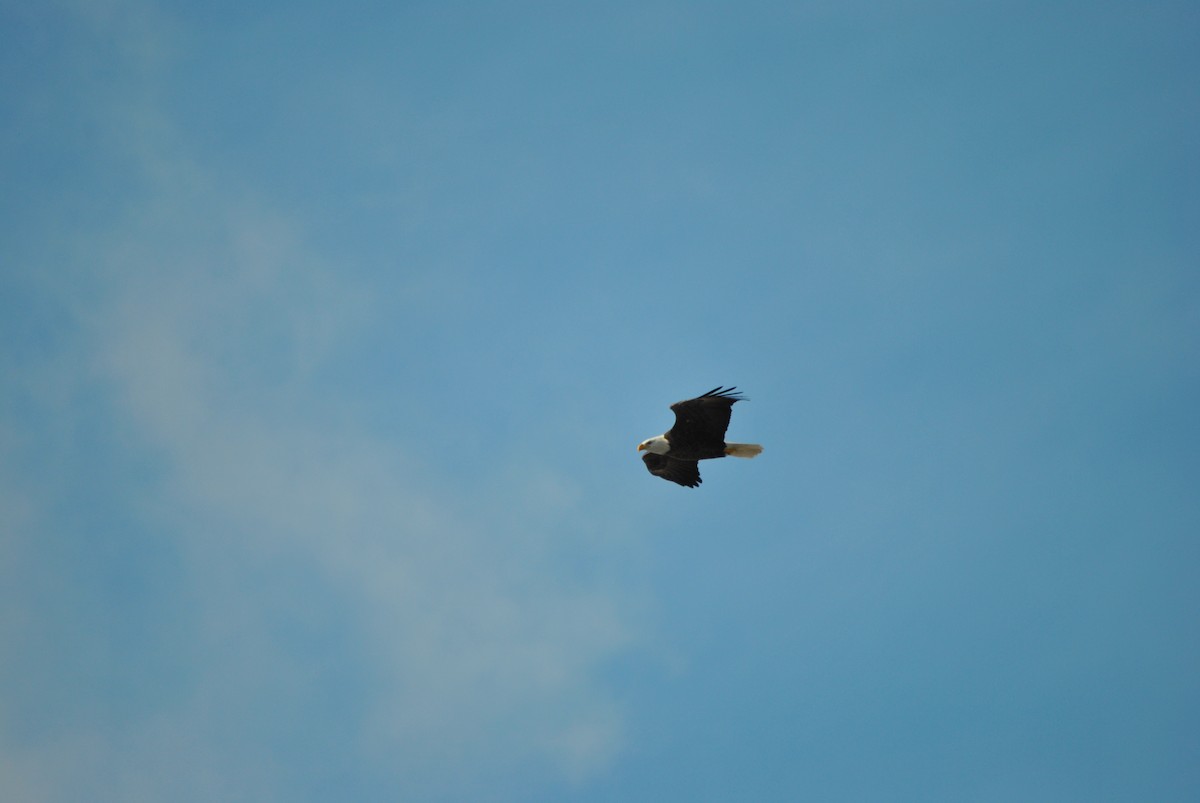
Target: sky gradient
<point>328,331</point>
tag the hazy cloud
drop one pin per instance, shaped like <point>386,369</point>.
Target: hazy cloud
<point>203,331</point>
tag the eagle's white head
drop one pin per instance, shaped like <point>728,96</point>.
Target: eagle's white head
<point>658,445</point>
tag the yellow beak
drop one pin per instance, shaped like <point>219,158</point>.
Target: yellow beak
<point>641,446</point>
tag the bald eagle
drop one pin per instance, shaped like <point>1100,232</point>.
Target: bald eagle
<point>698,434</point>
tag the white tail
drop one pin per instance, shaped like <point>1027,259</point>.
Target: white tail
<point>743,449</point>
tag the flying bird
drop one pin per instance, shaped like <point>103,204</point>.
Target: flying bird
<point>698,434</point>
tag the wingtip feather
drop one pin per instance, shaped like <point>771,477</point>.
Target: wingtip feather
<point>721,392</point>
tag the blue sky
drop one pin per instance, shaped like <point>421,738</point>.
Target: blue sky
<point>327,332</point>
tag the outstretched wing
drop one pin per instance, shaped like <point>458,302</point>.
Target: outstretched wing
<point>684,472</point>
<point>702,421</point>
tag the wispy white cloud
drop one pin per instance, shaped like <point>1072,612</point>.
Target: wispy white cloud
<point>478,660</point>
<point>479,657</point>
<point>460,651</point>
